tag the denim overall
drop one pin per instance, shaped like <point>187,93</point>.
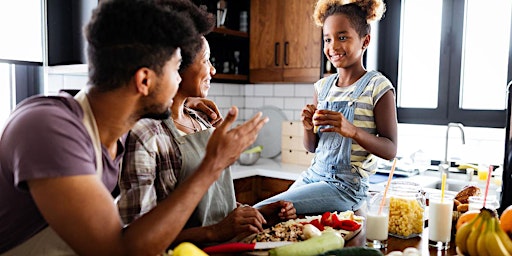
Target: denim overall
<point>331,183</point>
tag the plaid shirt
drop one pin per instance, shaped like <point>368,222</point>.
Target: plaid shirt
<point>151,167</point>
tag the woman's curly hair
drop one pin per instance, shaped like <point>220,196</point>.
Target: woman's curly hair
<point>126,35</point>
<point>360,12</point>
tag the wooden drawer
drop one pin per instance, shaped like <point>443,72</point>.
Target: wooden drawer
<point>292,128</point>
<point>301,157</point>
<point>292,142</point>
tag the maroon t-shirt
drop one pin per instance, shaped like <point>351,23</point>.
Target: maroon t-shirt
<point>43,138</point>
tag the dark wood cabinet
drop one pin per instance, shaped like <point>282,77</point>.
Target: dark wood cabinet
<point>285,44</point>
<point>254,189</point>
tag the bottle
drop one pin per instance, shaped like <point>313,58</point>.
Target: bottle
<point>236,62</point>
<point>243,21</point>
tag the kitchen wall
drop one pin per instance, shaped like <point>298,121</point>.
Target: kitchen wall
<point>483,145</point>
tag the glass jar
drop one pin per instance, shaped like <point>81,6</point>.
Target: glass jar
<point>406,210</point>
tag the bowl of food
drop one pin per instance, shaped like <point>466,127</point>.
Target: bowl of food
<point>250,156</point>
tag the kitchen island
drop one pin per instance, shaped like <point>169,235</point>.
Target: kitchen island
<point>274,169</point>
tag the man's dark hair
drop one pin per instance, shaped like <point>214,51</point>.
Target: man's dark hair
<point>126,35</point>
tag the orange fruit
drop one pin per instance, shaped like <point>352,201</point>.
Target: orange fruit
<point>466,217</point>
<point>506,220</point>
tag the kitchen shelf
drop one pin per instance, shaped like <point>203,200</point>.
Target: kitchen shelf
<point>230,32</point>
<point>232,77</point>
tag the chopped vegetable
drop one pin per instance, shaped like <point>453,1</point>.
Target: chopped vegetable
<point>310,231</point>
<point>313,246</point>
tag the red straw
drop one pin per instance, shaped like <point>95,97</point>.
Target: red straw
<point>387,186</point>
<point>487,184</point>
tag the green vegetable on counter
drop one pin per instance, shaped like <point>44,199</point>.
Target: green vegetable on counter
<point>353,251</point>
<point>254,149</point>
<point>311,247</point>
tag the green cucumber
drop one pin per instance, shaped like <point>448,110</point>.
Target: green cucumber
<point>353,251</point>
<point>313,246</point>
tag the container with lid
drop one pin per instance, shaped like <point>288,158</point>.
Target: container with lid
<point>406,210</point>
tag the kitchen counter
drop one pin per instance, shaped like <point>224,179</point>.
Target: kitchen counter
<point>274,168</point>
<point>266,167</point>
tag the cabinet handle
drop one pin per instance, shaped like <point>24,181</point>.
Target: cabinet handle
<point>286,53</point>
<point>276,53</point>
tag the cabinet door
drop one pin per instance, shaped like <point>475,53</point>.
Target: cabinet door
<point>266,44</point>
<point>302,43</point>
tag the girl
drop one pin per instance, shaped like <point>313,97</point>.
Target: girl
<point>353,116</point>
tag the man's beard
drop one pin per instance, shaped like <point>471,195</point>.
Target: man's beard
<point>158,116</point>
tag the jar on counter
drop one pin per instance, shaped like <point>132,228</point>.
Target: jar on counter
<point>406,210</point>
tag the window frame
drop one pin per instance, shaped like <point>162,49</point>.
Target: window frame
<point>449,74</point>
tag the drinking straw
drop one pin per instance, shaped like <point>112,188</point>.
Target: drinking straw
<point>487,184</point>
<point>443,185</point>
<point>387,186</point>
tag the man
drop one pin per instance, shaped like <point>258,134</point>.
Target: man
<point>60,156</point>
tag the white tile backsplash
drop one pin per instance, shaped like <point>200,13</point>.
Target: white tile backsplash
<point>483,145</point>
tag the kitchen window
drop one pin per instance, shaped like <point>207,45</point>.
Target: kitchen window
<point>449,60</point>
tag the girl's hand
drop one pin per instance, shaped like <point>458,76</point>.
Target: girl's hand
<point>336,122</point>
<point>278,211</point>
<point>307,116</point>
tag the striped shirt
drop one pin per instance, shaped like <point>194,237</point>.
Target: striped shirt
<point>365,162</point>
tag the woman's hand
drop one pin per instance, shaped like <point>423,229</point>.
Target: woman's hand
<point>241,222</point>
<point>206,106</point>
<point>278,211</point>
<point>337,122</point>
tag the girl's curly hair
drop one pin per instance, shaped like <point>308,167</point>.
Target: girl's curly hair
<point>360,12</point>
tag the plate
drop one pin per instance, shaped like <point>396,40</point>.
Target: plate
<point>282,230</point>
<point>270,135</point>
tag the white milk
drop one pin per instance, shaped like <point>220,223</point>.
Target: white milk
<point>440,220</point>
<point>377,226</point>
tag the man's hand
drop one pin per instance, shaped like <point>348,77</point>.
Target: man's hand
<point>278,211</point>
<point>226,143</point>
<point>206,106</point>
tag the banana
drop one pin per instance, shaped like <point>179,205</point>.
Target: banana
<point>481,247</point>
<point>494,244</point>
<point>476,231</point>
<point>503,237</point>
<point>462,236</point>
<point>463,233</point>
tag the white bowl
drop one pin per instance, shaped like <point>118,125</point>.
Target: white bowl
<point>249,158</point>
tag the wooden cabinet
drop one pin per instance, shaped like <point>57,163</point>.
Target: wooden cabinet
<point>254,189</point>
<point>285,44</point>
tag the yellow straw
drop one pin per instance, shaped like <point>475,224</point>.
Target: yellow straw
<point>387,186</point>
<point>443,185</point>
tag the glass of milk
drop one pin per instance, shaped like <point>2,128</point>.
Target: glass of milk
<point>377,218</point>
<point>440,220</point>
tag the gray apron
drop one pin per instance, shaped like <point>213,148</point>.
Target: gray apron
<point>47,241</point>
<point>219,200</point>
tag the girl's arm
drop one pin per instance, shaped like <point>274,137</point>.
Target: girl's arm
<point>384,145</point>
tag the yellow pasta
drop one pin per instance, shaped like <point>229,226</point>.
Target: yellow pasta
<point>405,217</point>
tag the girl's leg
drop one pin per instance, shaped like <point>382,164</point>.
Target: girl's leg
<point>313,198</point>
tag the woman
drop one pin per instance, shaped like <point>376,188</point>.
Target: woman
<point>354,110</point>
<point>162,154</point>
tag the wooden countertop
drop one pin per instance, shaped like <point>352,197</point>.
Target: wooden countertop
<point>394,244</point>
